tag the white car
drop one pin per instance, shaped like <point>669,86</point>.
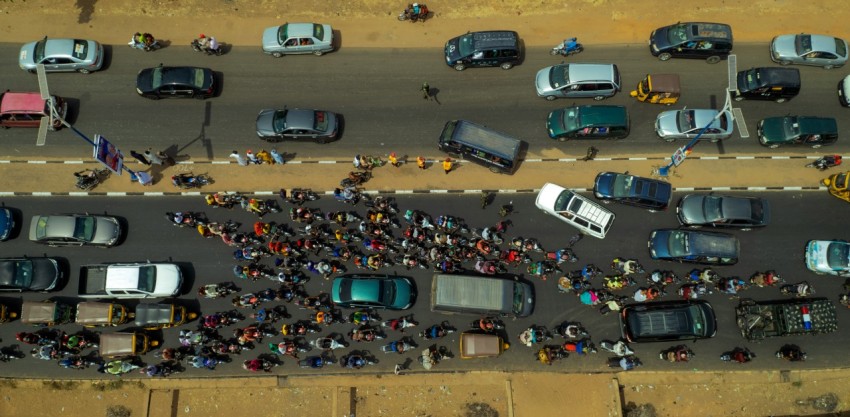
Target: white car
<point>688,123</point>
<point>574,209</point>
<point>828,257</point>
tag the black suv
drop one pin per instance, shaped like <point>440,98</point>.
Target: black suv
<point>711,41</point>
<point>483,49</point>
<point>671,320</point>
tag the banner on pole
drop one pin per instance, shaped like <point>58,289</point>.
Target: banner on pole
<point>108,154</point>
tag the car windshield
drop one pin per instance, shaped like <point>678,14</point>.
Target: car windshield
<point>685,121</point>
<point>697,320</point>
<point>156,77</point>
<point>677,244</point>
<point>81,49</point>
<point>318,31</point>
<point>22,274</point>
<point>571,119</point>
<point>559,75</point>
<point>198,80</point>
<point>712,208</point>
<point>803,44</point>
<point>279,121</point>
<point>518,298</point>
<point>563,199</point>
<point>838,256</point>
<point>147,278</point>
<point>622,185</point>
<point>320,121</point>
<point>38,54</point>
<point>677,34</point>
<point>791,127</point>
<point>840,47</point>
<point>387,291</point>
<point>465,45</point>
<point>84,229</point>
<point>752,79</point>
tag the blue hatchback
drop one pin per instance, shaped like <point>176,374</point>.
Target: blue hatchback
<point>7,223</point>
<point>694,246</point>
<point>632,190</point>
<point>373,291</point>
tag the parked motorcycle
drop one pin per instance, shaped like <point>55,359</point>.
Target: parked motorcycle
<point>567,47</point>
<point>90,178</point>
<point>825,162</point>
<point>415,12</point>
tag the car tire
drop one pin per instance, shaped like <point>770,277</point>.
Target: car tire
<point>31,71</point>
<point>713,59</point>
<point>551,98</point>
<point>84,71</point>
<point>664,56</point>
<point>773,146</point>
<point>816,146</point>
<point>781,100</point>
<point>318,53</point>
<point>200,97</point>
<point>459,67</point>
<point>715,140</point>
<point>671,140</point>
<point>152,97</point>
<point>277,54</point>
<point>562,139</point>
<point>321,141</point>
<point>739,98</point>
<point>605,201</point>
<point>599,98</point>
<point>506,65</point>
<point>784,62</point>
<point>828,67</point>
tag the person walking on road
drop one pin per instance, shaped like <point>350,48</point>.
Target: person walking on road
<point>426,91</point>
<point>447,165</point>
<point>394,160</point>
<point>141,158</point>
<point>420,162</point>
<point>154,158</point>
<point>278,158</point>
<point>239,158</point>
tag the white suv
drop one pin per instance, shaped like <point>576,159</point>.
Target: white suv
<point>582,213</point>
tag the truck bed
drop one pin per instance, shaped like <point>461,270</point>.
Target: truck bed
<point>758,320</point>
<point>93,280</point>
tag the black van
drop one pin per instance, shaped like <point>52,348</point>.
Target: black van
<point>494,150</point>
<point>779,84</point>
<point>483,49</point>
<point>709,41</point>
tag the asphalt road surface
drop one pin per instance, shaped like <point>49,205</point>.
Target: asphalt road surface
<point>797,217</point>
<point>377,93</point>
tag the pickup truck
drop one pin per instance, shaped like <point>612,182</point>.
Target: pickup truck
<point>760,319</point>
<point>130,280</point>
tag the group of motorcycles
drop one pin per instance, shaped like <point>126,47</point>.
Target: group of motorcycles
<point>147,42</point>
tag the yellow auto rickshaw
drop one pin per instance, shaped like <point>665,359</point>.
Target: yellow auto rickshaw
<point>162,316</point>
<point>94,314</point>
<point>481,345</point>
<point>838,185</point>
<point>658,88</point>
<point>46,313</point>
<point>113,345</point>
<point>6,314</point>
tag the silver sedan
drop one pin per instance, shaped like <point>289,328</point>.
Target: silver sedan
<point>58,55</point>
<point>687,124</point>
<point>75,230</point>
<point>804,49</point>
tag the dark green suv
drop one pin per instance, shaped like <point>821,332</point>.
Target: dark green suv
<point>588,122</point>
<point>797,130</point>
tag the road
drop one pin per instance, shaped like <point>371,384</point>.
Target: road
<point>377,93</point>
<point>797,217</point>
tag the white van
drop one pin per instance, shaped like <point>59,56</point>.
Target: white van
<point>467,294</point>
<point>580,212</point>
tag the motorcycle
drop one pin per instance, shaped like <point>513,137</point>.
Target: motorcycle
<point>801,289</point>
<point>663,278</point>
<point>315,362</point>
<point>791,353</point>
<point>542,268</point>
<point>580,347</point>
<point>259,364</point>
<point>382,203</point>
<point>348,195</point>
<point>550,354</point>
<point>328,318</point>
<point>362,317</point>
<point>627,266</point>
<point>437,331</point>
<point>162,370</point>
<point>740,355</point>
<point>400,323</point>
<point>304,215</point>
<point>222,289</point>
<point>262,207</point>
<point>365,334</point>
<point>707,276</point>
<point>90,178</point>
<point>534,334</point>
<point>825,162</point>
<point>679,353</point>
<point>490,267</point>
<point>567,47</point>
<point>77,342</point>
<point>342,218</point>
<point>627,363</point>
<point>119,367</point>
<point>77,362</point>
<point>375,245</point>
<point>620,348</point>
<point>419,219</point>
<point>399,346</point>
<point>527,245</point>
<point>228,347</point>
<point>617,282</point>
<point>693,291</point>
<point>328,343</point>
<point>731,286</point>
<point>354,361</point>
<point>451,224</point>
<point>272,315</point>
<point>299,328</point>
<point>487,324</point>
<point>411,261</point>
<point>188,180</point>
<point>186,218</point>
<point>144,42</point>
<point>299,196</point>
<point>226,200</point>
<point>571,330</point>
<point>562,255</point>
<point>488,234</point>
<point>415,12</point>
<point>573,282</point>
<point>766,279</point>
<point>355,179</point>
<point>209,46</point>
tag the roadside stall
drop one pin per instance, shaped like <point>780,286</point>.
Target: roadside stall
<point>162,316</point>
<point>95,314</point>
<point>481,345</point>
<point>46,313</point>
<point>113,345</point>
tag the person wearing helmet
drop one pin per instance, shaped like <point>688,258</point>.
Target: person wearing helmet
<point>203,42</point>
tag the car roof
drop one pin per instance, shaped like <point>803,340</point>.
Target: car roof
<point>299,29</point>
<point>178,75</point>
<point>772,76</point>
<point>817,125</point>
<point>736,207</point>
<point>704,30</point>
<point>717,244</point>
<point>591,72</point>
<point>60,47</point>
<point>21,102</point>
<point>299,118</point>
<point>59,225</point>
<point>822,43</point>
<point>602,115</point>
<point>494,39</point>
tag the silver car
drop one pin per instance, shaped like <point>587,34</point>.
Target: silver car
<point>298,38</point>
<point>75,230</point>
<point>60,55</point>
<point>817,50</point>
<point>276,125</point>
<point>687,123</point>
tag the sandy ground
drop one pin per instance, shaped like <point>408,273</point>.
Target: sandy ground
<point>372,23</point>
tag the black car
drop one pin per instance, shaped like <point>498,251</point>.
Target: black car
<point>165,82</point>
<point>696,210</point>
<point>483,49</point>
<point>709,41</point>
<point>779,84</point>
<point>668,321</point>
<point>29,274</point>
<point>632,190</point>
<point>694,246</point>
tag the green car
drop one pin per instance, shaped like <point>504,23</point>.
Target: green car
<point>373,291</point>
<point>588,122</point>
<point>797,130</point>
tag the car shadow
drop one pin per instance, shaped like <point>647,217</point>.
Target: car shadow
<point>107,57</point>
<point>218,78</point>
<point>73,109</point>
<point>337,44</point>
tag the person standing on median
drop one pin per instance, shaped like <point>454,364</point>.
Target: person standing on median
<point>239,158</point>
<point>252,159</point>
<point>278,158</point>
<point>154,158</point>
<point>420,162</point>
<point>394,160</point>
<point>141,158</point>
<point>447,165</point>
